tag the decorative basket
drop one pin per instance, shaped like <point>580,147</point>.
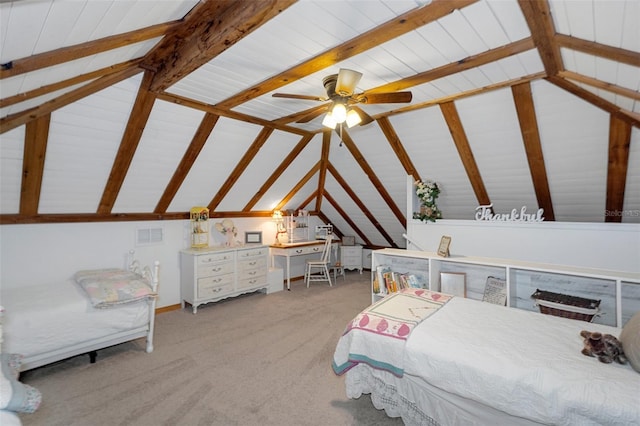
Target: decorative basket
<point>566,306</point>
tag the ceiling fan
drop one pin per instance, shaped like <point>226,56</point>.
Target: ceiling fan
<point>340,89</point>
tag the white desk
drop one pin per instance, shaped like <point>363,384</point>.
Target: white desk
<point>288,250</point>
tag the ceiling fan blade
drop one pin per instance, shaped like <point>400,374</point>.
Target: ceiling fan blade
<point>385,98</point>
<point>294,96</point>
<point>347,81</point>
<point>305,118</point>
<point>366,118</point>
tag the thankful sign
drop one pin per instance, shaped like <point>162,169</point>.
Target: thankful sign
<point>486,213</point>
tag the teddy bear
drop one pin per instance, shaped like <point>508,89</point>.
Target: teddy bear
<point>605,347</point>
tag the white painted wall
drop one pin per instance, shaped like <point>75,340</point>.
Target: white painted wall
<point>614,246</point>
<point>52,253</point>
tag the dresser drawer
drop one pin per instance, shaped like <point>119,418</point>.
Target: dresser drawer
<point>205,284</point>
<point>259,280</point>
<point>215,269</point>
<point>352,260</point>
<point>257,263</point>
<point>211,258</point>
<point>208,292</point>
<point>253,253</point>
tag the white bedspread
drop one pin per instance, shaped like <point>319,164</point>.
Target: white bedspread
<point>44,318</point>
<point>523,363</point>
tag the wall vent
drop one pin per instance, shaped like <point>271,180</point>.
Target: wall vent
<point>149,236</point>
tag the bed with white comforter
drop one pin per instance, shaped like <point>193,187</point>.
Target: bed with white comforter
<point>467,362</point>
<point>91,311</point>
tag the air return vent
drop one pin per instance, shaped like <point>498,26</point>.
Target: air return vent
<point>149,236</point>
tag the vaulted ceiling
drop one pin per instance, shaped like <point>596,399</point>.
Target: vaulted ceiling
<point>139,110</point>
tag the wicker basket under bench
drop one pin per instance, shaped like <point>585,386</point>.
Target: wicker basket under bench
<point>566,306</point>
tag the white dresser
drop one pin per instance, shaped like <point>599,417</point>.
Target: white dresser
<point>211,274</point>
<point>351,257</point>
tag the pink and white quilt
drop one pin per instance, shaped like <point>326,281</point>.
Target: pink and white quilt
<point>377,336</point>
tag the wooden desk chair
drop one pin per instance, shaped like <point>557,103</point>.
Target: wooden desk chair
<point>318,270</point>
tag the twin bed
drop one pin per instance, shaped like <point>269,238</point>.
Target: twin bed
<point>435,359</point>
<point>93,310</point>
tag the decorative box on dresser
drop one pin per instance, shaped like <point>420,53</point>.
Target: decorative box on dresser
<point>351,257</point>
<point>215,273</point>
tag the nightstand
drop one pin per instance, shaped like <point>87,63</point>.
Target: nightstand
<point>351,257</point>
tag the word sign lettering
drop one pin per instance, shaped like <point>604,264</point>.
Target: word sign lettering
<point>484,213</point>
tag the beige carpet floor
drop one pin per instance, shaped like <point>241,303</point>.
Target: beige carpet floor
<point>254,360</point>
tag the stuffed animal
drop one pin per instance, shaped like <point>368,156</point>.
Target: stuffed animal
<point>605,347</point>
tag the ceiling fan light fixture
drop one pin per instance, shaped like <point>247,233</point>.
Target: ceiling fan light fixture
<point>329,121</point>
<point>347,81</point>
<point>339,112</point>
<point>353,118</point>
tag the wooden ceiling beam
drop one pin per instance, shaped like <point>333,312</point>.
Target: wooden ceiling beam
<point>611,108</point>
<point>345,216</point>
<point>191,154</point>
<point>133,133</point>
<point>617,165</point>
<point>599,84</point>
<point>181,100</point>
<point>525,109</point>
<point>324,161</point>
<point>35,150</point>
<point>49,88</point>
<point>396,27</point>
<point>299,185</point>
<point>458,66</point>
<point>362,206</point>
<point>210,29</point>
<point>398,148</point>
<point>293,154</point>
<point>66,54</point>
<point>616,54</point>
<point>14,120</point>
<point>373,178</point>
<point>538,17</point>
<point>242,165</point>
<point>459,136</point>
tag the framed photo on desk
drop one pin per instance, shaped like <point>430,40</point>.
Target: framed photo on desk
<point>253,237</point>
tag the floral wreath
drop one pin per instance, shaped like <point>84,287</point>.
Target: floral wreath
<point>427,192</point>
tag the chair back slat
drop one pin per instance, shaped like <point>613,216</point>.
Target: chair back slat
<point>326,252</point>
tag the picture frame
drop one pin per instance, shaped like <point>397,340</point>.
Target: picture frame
<point>453,283</point>
<point>253,237</point>
<point>443,248</point>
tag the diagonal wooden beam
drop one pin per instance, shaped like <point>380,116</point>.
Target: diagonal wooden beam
<point>525,109</point>
<point>618,163</point>
<point>346,217</point>
<point>35,150</point>
<point>398,148</point>
<point>538,17</point>
<point>599,84</point>
<point>66,54</point>
<point>299,185</point>
<point>242,165</point>
<point>396,27</point>
<point>616,54</point>
<point>459,136</point>
<point>132,134</point>
<point>14,120</point>
<point>48,88</point>
<point>324,162</point>
<point>361,205</point>
<point>210,29</point>
<point>191,154</point>
<point>468,63</point>
<point>611,108</point>
<point>377,184</point>
<point>293,154</point>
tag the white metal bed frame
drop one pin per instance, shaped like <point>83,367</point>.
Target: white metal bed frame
<point>91,346</point>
